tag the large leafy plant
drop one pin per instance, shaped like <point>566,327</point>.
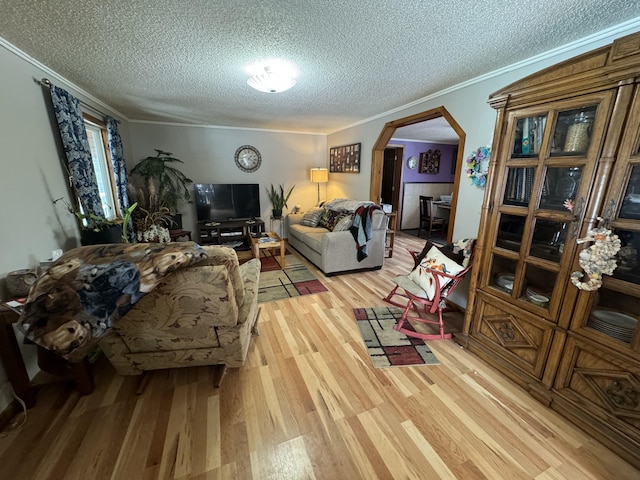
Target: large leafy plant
<point>156,184</point>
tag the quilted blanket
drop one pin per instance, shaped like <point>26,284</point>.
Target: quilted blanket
<point>361,229</point>
<point>87,289</point>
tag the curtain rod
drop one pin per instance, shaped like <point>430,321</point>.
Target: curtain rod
<point>45,82</point>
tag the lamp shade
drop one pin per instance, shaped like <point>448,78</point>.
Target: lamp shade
<point>319,175</point>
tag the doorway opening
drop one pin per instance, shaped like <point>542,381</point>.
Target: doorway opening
<point>379,172</point>
<point>392,174</point>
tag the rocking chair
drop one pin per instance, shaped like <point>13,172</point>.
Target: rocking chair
<point>436,274</point>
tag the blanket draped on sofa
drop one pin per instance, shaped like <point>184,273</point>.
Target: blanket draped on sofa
<point>361,228</point>
<point>82,293</point>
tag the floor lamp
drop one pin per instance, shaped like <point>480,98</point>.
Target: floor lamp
<point>319,175</point>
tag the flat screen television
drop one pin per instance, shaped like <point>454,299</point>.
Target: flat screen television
<point>220,202</point>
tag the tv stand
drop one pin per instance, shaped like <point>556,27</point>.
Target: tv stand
<point>233,233</point>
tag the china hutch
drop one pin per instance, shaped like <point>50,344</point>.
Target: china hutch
<point>565,159</point>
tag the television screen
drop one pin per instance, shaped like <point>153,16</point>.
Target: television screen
<point>219,202</point>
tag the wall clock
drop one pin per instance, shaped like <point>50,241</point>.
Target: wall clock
<point>248,158</point>
<point>412,162</point>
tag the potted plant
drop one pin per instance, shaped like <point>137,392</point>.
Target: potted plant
<point>158,187</point>
<point>278,199</point>
<point>151,223</point>
<point>96,230</point>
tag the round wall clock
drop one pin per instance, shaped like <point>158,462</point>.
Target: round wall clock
<point>412,162</point>
<point>248,158</point>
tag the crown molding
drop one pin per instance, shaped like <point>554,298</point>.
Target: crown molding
<point>603,36</point>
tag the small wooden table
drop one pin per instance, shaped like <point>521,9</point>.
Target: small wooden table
<point>391,233</point>
<point>256,245</point>
<point>47,361</point>
<point>441,205</point>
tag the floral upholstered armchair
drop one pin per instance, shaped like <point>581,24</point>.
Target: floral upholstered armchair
<point>203,314</point>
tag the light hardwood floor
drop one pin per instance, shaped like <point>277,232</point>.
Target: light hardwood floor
<point>307,405</point>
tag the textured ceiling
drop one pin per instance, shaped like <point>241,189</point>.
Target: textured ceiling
<point>436,130</point>
<point>184,61</point>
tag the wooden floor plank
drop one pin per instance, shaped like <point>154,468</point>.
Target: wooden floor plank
<point>308,404</point>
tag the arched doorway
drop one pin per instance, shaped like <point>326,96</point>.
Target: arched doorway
<point>377,166</point>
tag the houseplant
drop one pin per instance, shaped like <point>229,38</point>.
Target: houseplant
<point>158,187</point>
<point>95,230</point>
<point>278,199</point>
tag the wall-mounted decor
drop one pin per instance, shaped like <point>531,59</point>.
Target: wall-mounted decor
<point>430,161</point>
<point>345,159</point>
<point>478,166</point>
<point>248,158</point>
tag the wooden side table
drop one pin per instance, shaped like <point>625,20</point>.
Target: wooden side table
<point>47,361</point>
<point>391,233</point>
<point>257,245</point>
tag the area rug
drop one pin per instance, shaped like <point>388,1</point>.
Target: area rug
<point>386,346</point>
<point>295,280</point>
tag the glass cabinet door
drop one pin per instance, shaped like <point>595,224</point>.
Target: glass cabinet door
<point>528,137</point>
<point>573,131</point>
<point>544,182</point>
<point>613,311</point>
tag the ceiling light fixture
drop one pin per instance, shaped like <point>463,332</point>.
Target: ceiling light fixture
<point>273,76</point>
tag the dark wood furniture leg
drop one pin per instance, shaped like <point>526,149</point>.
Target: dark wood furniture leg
<point>56,365</point>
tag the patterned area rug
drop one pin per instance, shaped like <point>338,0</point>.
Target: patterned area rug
<point>295,280</point>
<point>386,346</point>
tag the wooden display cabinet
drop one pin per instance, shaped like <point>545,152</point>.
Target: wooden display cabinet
<point>570,132</point>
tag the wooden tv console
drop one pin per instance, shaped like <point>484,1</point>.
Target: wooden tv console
<point>229,232</point>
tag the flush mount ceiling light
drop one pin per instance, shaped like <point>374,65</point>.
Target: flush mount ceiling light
<point>273,76</point>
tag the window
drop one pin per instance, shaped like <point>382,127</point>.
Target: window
<point>98,144</point>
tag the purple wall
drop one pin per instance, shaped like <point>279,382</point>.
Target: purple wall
<point>414,149</point>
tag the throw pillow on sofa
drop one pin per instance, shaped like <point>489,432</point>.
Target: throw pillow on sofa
<point>329,219</point>
<point>344,223</point>
<point>312,217</point>
<point>434,260</point>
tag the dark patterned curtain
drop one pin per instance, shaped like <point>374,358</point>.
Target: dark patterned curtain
<point>118,163</point>
<point>76,147</point>
<point>119,170</point>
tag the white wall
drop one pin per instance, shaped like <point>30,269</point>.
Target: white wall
<point>208,156</point>
<point>32,176</point>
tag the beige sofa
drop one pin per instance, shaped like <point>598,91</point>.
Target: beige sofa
<point>203,314</point>
<point>336,251</point>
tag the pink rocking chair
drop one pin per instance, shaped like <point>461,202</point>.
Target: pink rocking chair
<point>414,296</point>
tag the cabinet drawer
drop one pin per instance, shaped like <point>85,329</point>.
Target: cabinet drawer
<point>519,337</point>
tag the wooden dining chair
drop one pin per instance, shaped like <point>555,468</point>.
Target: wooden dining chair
<point>428,220</point>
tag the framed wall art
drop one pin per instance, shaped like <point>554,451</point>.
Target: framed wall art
<point>345,159</point>
<point>430,161</point>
